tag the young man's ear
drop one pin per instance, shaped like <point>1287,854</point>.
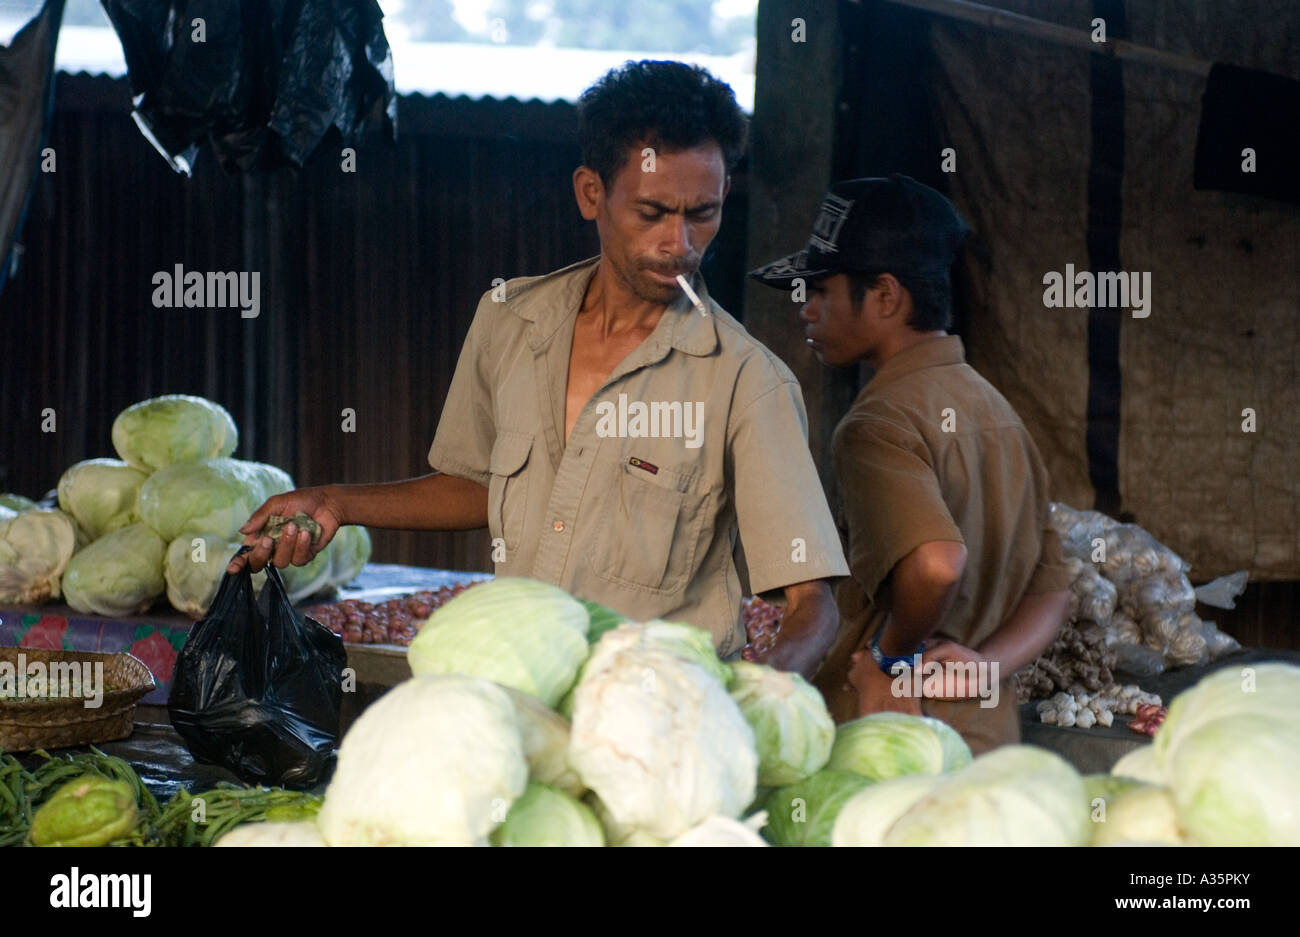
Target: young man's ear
<point>589,191</point>
<point>891,294</point>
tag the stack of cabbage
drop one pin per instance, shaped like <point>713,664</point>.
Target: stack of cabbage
<point>163,517</point>
<point>1223,770</point>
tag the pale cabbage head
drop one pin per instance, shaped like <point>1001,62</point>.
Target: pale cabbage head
<point>1140,765</point>
<point>545,735</point>
<point>804,813</point>
<point>35,548</point>
<point>1250,689</point>
<point>793,730</point>
<point>119,574</point>
<point>1145,815</point>
<point>274,833</point>
<point>1017,795</point>
<point>869,815</point>
<point>194,570</point>
<point>1236,781</point>
<point>544,816</point>
<point>517,632</point>
<point>723,831</point>
<point>435,761</point>
<point>175,428</point>
<point>887,745</point>
<point>210,496</point>
<point>101,494</point>
<point>661,743</point>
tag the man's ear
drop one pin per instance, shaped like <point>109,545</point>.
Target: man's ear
<point>726,188</point>
<point>892,295</point>
<point>589,191</point>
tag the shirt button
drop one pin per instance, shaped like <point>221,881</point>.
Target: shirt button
<point>559,526</point>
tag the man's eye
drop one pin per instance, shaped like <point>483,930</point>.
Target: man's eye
<point>706,215</point>
<point>649,217</point>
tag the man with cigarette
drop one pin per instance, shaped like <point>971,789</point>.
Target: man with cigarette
<point>944,495</point>
<point>617,431</point>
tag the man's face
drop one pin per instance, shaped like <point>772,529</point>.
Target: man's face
<point>839,334</point>
<point>655,225</point>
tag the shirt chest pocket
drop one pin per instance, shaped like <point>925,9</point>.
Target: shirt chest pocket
<point>508,487</point>
<point>650,532</point>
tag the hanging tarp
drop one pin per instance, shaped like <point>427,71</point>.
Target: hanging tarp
<point>265,82</point>
<point>1070,167</point>
<point>26,101</point>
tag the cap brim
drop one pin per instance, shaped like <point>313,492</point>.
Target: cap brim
<point>783,272</point>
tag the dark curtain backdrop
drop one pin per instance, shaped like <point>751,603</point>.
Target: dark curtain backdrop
<point>368,283</point>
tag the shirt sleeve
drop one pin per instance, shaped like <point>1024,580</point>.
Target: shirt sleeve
<point>1051,573</point>
<point>462,445</point>
<point>785,523</point>
<point>891,497</point>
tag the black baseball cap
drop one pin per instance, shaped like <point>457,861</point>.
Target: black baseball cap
<point>888,224</point>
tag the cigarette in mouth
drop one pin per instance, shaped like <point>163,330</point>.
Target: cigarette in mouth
<point>690,294</point>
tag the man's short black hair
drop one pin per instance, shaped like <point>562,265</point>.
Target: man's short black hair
<point>669,105</point>
<point>931,298</point>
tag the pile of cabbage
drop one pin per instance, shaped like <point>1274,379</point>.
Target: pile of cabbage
<point>164,517</point>
<point>667,745</point>
<point>1222,770</point>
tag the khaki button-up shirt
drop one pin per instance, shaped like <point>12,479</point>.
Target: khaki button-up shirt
<point>930,450</point>
<point>686,482</point>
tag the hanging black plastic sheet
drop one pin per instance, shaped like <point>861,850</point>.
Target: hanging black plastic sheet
<point>266,81</point>
<point>26,100</point>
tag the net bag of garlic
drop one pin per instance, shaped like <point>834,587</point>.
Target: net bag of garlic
<point>1132,608</point>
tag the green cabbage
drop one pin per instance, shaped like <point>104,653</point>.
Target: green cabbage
<point>191,584</point>
<point>1016,795</point>
<point>602,619</point>
<point>312,577</point>
<point>210,496</point>
<point>803,813</point>
<point>1140,765</point>
<point>16,503</point>
<point>1269,689</point>
<point>351,553</point>
<point>517,632</point>
<point>176,428</point>
<point>793,730</point>
<point>119,574</point>
<point>684,641</point>
<point>869,815</point>
<point>101,494</point>
<point>544,816</point>
<point>887,745</point>
<point>35,548</point>
<point>1108,788</point>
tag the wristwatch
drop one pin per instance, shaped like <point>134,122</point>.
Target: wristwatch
<point>887,663</point>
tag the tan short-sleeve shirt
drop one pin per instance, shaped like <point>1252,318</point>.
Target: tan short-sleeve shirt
<point>930,450</point>
<point>695,446</point>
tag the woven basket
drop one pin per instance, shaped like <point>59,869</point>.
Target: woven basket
<point>26,724</point>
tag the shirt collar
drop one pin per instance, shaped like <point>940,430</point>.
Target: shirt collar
<point>553,300</point>
<point>929,353</point>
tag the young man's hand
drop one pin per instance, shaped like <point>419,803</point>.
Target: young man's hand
<point>956,686</point>
<point>876,688</point>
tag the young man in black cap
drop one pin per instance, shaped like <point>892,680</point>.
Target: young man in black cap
<point>944,496</point>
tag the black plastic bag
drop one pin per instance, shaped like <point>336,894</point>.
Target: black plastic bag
<point>258,687</point>
<point>266,81</point>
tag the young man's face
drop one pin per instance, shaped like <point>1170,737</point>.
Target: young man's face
<point>655,225</point>
<point>839,334</point>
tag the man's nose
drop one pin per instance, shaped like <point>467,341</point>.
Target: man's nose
<point>808,313</point>
<point>678,238</point>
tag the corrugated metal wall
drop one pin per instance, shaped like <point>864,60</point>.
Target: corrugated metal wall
<point>368,283</point>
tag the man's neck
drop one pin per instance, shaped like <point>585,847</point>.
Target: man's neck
<point>898,343</point>
<point>614,307</point>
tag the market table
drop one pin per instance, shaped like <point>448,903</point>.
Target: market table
<point>1097,748</point>
<point>158,635</point>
